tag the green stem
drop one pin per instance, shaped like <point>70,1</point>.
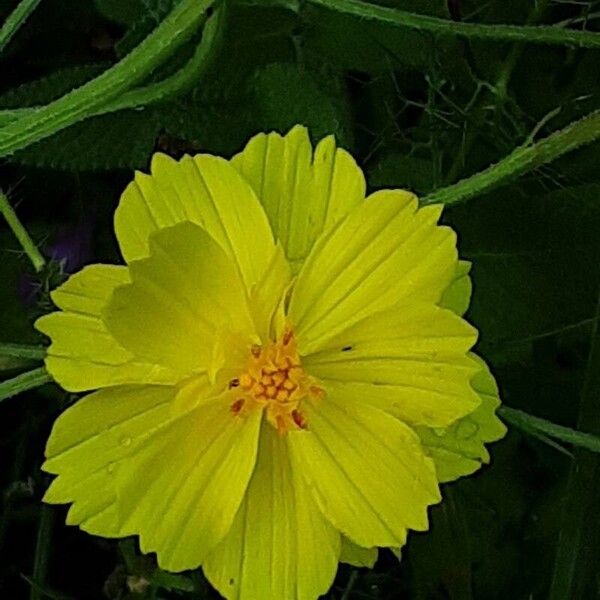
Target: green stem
<point>578,547</point>
<point>22,351</point>
<point>21,233</point>
<point>174,31</point>
<point>502,33</point>
<point>170,87</point>
<point>516,51</point>
<point>520,161</point>
<point>22,383</point>
<point>15,20</point>
<point>10,114</point>
<point>527,423</point>
<point>350,585</point>
<point>499,90</point>
<point>42,552</point>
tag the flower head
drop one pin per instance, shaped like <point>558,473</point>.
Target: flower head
<point>283,376</point>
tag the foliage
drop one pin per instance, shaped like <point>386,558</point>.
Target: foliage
<point>422,104</point>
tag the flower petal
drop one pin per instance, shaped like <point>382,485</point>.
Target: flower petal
<point>357,556</point>
<point>205,190</point>
<point>460,449</point>
<point>410,360</point>
<point>366,469</point>
<point>87,447</point>
<point>182,489</point>
<point>457,295</point>
<point>268,295</point>
<point>303,194</point>
<point>180,298</point>
<point>384,251</point>
<point>83,355</point>
<point>280,545</point>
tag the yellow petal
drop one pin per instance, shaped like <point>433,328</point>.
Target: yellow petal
<point>385,250</point>
<point>181,297</point>
<point>87,447</point>
<point>205,190</point>
<point>410,360</point>
<point>83,355</point>
<point>280,545</point>
<point>303,194</point>
<point>268,295</point>
<point>367,471</point>
<point>457,295</point>
<point>182,488</point>
<point>460,449</point>
<point>357,556</point>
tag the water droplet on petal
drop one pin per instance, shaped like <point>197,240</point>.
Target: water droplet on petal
<point>126,441</point>
<point>111,468</point>
<point>439,431</point>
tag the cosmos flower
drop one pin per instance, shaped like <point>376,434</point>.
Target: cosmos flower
<point>283,376</point>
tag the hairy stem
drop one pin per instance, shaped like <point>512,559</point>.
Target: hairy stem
<point>520,161</point>
<point>498,91</point>
<point>35,256</point>
<point>22,351</point>
<point>501,33</point>
<point>172,86</point>
<point>22,383</point>
<point>174,31</point>
<point>529,423</point>
<point>15,20</point>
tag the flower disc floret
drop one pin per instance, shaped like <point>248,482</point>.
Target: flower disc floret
<point>275,382</point>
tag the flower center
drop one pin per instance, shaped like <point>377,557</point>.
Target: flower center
<point>275,382</point>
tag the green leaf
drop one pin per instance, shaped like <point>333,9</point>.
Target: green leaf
<point>125,139</point>
<point>125,12</point>
<point>575,573</point>
<point>51,87</point>
<point>535,264</point>
<point>352,43</point>
<point>402,170</point>
<point>118,140</point>
<point>283,96</point>
<point>150,14</point>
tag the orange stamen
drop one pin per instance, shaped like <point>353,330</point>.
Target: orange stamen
<point>276,383</point>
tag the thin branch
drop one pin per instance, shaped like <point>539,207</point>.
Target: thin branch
<point>500,33</point>
<point>15,20</point>
<point>172,86</point>
<point>28,245</point>
<point>520,161</point>
<point>171,34</point>
<point>22,383</point>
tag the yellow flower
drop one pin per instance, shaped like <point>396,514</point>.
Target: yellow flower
<point>285,377</point>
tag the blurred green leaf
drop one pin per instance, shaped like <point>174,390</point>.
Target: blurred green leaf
<point>125,12</point>
<point>118,140</point>
<point>46,89</point>
<point>536,263</point>
<point>147,17</point>
<point>283,95</point>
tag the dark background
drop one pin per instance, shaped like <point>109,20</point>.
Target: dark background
<point>418,111</point>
